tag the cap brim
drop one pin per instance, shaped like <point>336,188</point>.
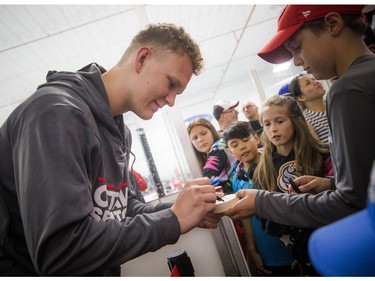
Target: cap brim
<point>368,8</point>
<point>235,104</point>
<point>274,51</point>
<point>345,247</point>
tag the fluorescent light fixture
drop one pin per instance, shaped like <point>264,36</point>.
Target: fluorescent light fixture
<point>281,67</point>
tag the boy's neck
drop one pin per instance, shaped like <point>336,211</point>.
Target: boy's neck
<point>353,49</point>
<point>247,165</point>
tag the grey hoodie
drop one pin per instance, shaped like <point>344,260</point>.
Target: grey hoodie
<point>64,203</point>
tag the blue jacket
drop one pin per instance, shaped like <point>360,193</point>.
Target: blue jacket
<point>272,251</point>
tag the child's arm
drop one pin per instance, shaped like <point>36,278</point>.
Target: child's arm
<point>215,164</point>
<point>254,259</point>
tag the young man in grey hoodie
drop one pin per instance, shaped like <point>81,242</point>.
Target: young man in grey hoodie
<point>66,205</point>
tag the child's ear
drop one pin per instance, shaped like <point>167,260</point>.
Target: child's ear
<point>228,148</point>
<point>256,137</point>
<point>334,23</point>
<point>301,98</point>
<point>230,151</point>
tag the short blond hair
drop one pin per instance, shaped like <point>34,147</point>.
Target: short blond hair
<point>167,37</point>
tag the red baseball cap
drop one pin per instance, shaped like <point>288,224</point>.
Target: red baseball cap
<point>291,19</point>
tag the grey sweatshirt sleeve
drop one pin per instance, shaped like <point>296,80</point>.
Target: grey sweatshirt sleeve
<point>136,207</point>
<point>302,210</point>
<point>53,171</point>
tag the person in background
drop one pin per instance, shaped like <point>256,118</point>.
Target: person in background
<point>215,161</point>
<point>251,112</point>
<point>213,156</point>
<point>267,255</point>
<point>66,204</point>
<point>225,113</point>
<point>284,90</point>
<point>309,93</point>
<point>220,164</point>
<point>326,41</point>
<point>202,135</point>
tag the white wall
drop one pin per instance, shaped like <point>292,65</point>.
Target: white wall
<point>199,246</point>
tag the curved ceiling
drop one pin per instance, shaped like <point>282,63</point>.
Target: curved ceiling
<point>38,38</point>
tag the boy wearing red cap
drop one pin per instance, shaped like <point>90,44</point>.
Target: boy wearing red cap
<point>327,41</point>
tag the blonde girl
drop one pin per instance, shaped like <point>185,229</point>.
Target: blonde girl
<point>287,135</point>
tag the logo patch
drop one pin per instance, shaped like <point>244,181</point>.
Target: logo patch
<point>306,14</point>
